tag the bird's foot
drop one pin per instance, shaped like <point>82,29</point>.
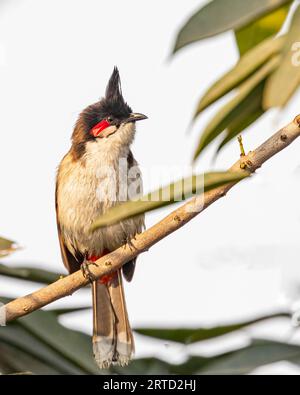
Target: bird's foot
<point>86,272</point>
<point>91,260</point>
<point>129,241</point>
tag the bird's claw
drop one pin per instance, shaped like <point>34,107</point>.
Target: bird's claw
<point>129,242</point>
<point>86,270</point>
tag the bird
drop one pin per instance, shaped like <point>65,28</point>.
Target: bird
<point>97,173</point>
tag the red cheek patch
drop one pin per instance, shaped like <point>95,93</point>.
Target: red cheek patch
<point>97,129</point>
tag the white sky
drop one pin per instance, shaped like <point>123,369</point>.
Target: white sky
<point>240,256</point>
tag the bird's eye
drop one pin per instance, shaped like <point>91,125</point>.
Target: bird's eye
<point>109,119</point>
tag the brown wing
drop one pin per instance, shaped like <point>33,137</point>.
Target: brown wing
<point>129,267</point>
<point>71,263</point>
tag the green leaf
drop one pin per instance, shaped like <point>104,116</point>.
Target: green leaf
<point>235,128</point>
<point>7,247</point>
<point>193,365</point>
<point>13,360</point>
<point>73,345</point>
<point>245,67</point>
<point>22,340</point>
<point>173,193</point>
<point>192,335</point>
<point>218,16</point>
<point>259,353</point>
<point>252,111</point>
<point>144,366</point>
<point>70,310</point>
<point>30,274</point>
<point>257,31</point>
<point>228,113</point>
<point>286,79</point>
<point>238,362</point>
<point>4,300</point>
<point>154,365</point>
<point>41,336</point>
<point>24,373</point>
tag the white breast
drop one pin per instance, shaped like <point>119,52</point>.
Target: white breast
<point>87,188</point>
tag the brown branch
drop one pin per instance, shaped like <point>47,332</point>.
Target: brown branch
<point>69,284</point>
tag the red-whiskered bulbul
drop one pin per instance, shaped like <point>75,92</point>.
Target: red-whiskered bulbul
<point>86,178</point>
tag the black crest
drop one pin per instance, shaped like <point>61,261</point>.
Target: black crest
<point>113,91</point>
<point>113,103</point>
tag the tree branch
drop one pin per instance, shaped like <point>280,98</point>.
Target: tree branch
<point>178,218</point>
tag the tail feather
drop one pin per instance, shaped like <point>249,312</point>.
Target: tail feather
<point>112,336</point>
<point>125,342</point>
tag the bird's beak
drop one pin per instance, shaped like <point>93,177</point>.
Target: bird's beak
<point>135,116</point>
